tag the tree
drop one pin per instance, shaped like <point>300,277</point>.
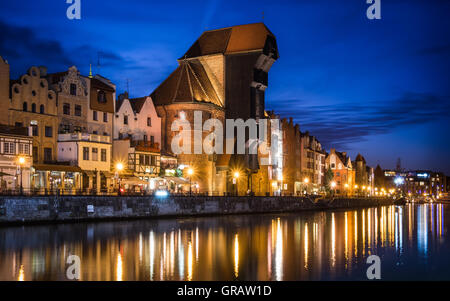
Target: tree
<point>329,176</point>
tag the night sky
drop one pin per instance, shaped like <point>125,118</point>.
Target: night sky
<point>378,87</point>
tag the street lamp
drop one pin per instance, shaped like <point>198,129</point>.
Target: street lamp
<point>346,189</point>
<point>235,179</point>
<point>119,168</point>
<point>21,162</point>
<point>190,173</point>
<point>306,181</point>
<point>333,186</point>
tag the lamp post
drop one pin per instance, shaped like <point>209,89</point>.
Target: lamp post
<point>333,186</point>
<point>21,162</point>
<point>306,181</point>
<point>236,177</point>
<point>119,168</point>
<point>346,189</point>
<point>190,173</point>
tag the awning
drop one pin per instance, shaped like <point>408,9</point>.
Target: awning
<point>107,174</point>
<point>56,167</point>
<point>89,173</point>
<point>133,181</point>
<point>177,180</point>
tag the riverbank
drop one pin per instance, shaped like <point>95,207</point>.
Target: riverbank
<point>53,209</point>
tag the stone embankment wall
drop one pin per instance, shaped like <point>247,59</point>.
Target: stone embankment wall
<point>22,209</point>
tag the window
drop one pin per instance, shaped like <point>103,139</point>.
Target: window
<point>103,155</point>
<point>25,106</point>
<point>145,138</point>
<point>94,115</point>
<point>8,148</point>
<point>24,148</point>
<point>105,117</point>
<point>149,121</point>
<point>147,160</point>
<point>48,131</point>
<point>77,110</point>
<point>73,89</point>
<point>65,128</point>
<point>94,154</point>
<point>153,163</point>
<point>41,109</point>
<point>101,97</point>
<point>66,109</point>
<point>33,108</point>
<point>333,165</point>
<point>125,119</point>
<point>86,153</point>
<point>152,139</point>
<point>47,154</point>
<point>77,129</point>
<point>19,125</point>
<point>35,130</point>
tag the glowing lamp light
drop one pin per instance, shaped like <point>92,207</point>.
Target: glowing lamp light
<point>356,186</point>
<point>190,171</point>
<point>161,193</point>
<point>399,181</point>
<point>333,184</point>
<point>119,166</point>
<point>21,160</point>
<point>306,180</point>
<point>346,185</point>
<point>236,174</point>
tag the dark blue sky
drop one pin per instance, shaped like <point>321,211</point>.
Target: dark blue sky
<point>379,87</point>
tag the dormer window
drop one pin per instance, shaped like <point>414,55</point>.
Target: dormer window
<point>101,97</point>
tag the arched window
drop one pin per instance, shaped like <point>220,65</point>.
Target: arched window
<point>41,109</point>
<point>33,108</point>
<point>25,106</point>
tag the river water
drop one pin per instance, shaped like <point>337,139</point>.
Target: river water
<point>412,242</point>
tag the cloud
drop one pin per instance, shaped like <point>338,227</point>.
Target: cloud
<point>21,44</point>
<point>23,48</point>
<point>339,125</point>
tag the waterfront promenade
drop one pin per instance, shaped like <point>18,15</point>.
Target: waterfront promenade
<point>23,209</point>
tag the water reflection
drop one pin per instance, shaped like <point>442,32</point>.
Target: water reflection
<point>411,240</point>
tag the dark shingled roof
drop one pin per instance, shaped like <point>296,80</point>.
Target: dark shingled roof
<point>229,40</point>
<point>137,103</point>
<point>342,157</point>
<point>360,158</point>
<point>188,83</point>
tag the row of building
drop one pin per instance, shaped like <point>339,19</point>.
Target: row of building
<point>70,132</point>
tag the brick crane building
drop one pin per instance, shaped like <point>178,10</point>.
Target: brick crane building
<point>224,75</point>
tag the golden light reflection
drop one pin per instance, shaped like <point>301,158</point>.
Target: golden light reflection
<point>21,273</point>
<point>279,252</point>
<point>363,232</point>
<point>333,241</point>
<point>152,253</point>
<point>190,262</point>
<point>356,232</point>
<point>119,267</point>
<point>236,255</point>
<point>346,238</point>
<point>306,245</point>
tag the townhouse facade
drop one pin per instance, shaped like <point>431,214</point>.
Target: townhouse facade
<point>343,172</point>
